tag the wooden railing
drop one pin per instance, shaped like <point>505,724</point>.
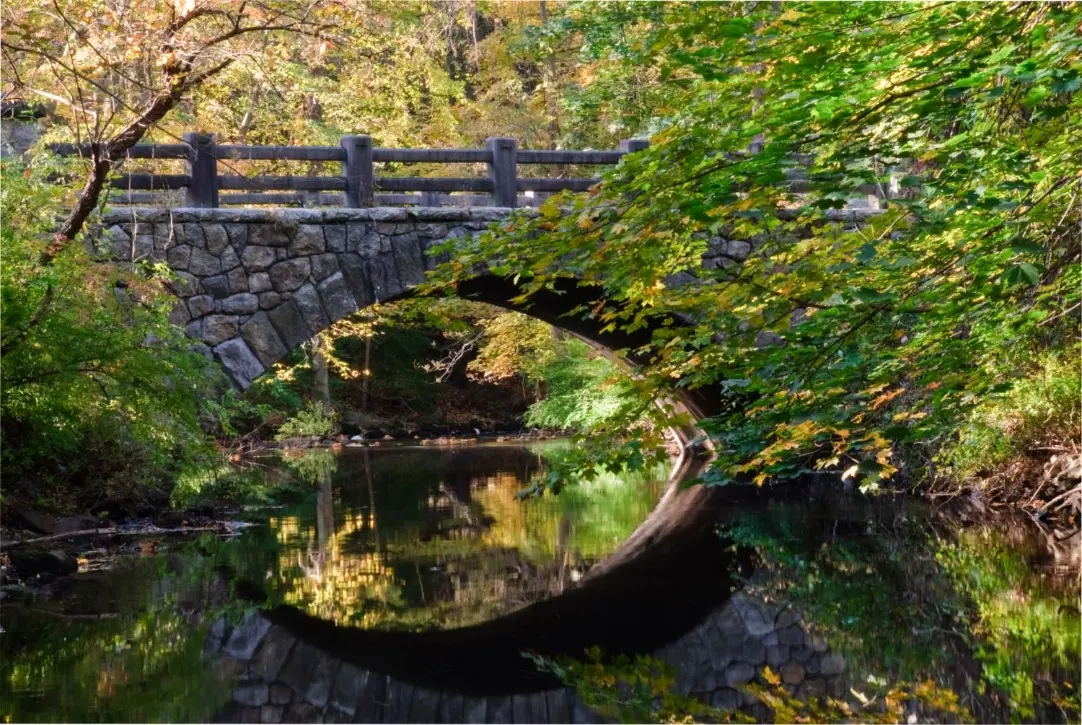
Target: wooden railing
<point>358,183</point>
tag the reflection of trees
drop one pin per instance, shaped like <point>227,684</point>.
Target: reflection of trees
<point>144,663</point>
<point>473,551</point>
<point>975,614</point>
<point>334,585</point>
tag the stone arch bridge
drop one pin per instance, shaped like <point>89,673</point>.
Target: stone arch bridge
<point>254,284</point>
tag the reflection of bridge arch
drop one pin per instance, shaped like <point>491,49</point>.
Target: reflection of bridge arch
<point>672,598</point>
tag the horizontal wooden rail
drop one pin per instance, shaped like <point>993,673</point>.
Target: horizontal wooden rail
<point>289,183</point>
<point>315,199</point>
<point>139,151</point>
<point>570,157</point>
<point>145,182</point>
<point>280,153</point>
<point>433,156</point>
<point>358,182</point>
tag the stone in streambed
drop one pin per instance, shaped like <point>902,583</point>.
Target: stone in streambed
<point>31,562</point>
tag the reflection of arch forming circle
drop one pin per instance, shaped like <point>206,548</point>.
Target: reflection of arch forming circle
<point>254,284</point>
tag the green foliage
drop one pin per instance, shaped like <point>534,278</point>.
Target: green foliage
<point>514,344</point>
<point>834,342</point>
<point>313,420</point>
<point>222,484</point>
<point>1041,410</point>
<point>582,390</point>
<point>99,387</point>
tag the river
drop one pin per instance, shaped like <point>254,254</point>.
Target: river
<point>406,542</point>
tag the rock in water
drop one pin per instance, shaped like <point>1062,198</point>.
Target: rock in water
<point>78,523</point>
<point>34,521</point>
<point>30,562</point>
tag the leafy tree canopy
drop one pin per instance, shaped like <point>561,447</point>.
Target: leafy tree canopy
<point>834,336</point>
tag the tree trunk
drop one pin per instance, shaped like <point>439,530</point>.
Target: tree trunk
<point>367,373</point>
<point>551,106</point>
<point>321,390</point>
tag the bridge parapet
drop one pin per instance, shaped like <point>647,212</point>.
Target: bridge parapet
<point>254,284</point>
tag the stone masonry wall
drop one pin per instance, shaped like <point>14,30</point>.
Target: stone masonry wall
<point>254,284</point>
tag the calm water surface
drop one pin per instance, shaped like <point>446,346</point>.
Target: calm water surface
<point>416,538</point>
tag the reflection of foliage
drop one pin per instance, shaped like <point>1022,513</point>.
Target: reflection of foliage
<point>144,665</point>
<point>951,599</point>
<point>449,563</point>
<point>1031,638</point>
<point>311,465</point>
<point>640,690</point>
<point>625,689</point>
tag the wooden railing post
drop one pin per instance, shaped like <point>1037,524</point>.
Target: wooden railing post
<point>358,170</point>
<point>503,169</point>
<point>632,145</point>
<point>202,168</point>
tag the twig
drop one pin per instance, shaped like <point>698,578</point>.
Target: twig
<point>152,531</point>
<point>62,615</point>
<point>1048,506</point>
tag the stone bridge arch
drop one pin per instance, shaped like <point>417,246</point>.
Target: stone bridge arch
<point>253,284</point>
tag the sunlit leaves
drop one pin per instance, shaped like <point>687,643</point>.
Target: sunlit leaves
<point>936,103</point>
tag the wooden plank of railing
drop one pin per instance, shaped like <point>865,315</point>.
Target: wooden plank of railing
<point>569,157</point>
<point>440,156</point>
<point>289,183</point>
<point>202,167</point>
<point>357,170</point>
<point>503,170</point>
<point>146,182</point>
<point>139,151</point>
<point>281,153</point>
<point>423,183</point>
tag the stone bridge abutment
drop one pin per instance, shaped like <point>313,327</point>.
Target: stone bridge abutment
<point>253,284</point>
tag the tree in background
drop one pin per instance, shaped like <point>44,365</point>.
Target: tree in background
<point>116,69</point>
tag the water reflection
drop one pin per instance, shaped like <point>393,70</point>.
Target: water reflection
<point>413,538</point>
<point>425,539</point>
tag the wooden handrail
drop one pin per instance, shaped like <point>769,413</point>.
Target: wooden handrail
<point>358,182</point>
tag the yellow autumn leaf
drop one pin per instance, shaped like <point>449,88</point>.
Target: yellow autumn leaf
<point>770,676</point>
